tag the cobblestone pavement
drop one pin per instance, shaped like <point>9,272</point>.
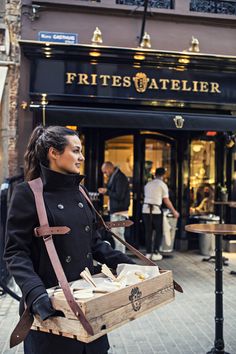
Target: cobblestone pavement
<point>185,326</point>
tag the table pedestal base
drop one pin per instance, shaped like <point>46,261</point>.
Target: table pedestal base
<point>213,258</point>
<point>216,351</point>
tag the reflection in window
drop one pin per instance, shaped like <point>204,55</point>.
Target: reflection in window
<point>202,175</point>
<point>119,151</point>
<point>157,154</point>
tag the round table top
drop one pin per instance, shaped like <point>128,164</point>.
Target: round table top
<point>230,203</point>
<point>217,229</point>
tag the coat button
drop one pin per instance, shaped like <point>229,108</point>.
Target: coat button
<point>87,228</point>
<point>60,206</point>
<point>68,259</point>
<point>81,205</point>
<point>89,255</point>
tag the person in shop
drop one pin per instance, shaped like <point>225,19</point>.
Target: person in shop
<point>206,205</point>
<point>54,154</point>
<point>155,193</point>
<point>148,176</point>
<point>117,189</point>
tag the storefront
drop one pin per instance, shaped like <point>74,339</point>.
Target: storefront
<point>142,109</point>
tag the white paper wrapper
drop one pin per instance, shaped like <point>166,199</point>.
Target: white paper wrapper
<point>102,283</point>
<point>132,273</point>
<point>127,274</point>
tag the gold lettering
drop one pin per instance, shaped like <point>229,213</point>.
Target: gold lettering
<point>153,84</point>
<point>126,81</point>
<point>94,79</point>
<point>83,79</point>
<point>104,79</point>
<point>70,77</point>
<point>215,87</point>
<point>164,82</point>
<point>116,81</point>
<point>175,85</point>
<point>204,86</point>
<point>184,86</point>
<point>195,83</point>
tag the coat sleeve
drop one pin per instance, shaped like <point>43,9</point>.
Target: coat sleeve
<point>104,253</point>
<point>121,188</point>
<point>21,245</point>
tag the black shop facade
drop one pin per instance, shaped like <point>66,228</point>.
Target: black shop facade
<point>142,109</point>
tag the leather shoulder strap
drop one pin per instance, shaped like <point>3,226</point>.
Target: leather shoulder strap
<point>37,187</point>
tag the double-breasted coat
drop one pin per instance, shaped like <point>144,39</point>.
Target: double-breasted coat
<point>27,257</point>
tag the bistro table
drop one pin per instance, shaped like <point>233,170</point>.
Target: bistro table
<point>218,230</point>
<point>231,204</point>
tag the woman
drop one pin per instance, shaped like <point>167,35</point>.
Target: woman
<point>207,203</point>
<point>54,154</point>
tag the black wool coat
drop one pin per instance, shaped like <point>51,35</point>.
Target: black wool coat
<point>118,192</point>
<point>27,257</point>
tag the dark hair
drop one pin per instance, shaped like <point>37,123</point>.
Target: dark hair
<point>39,143</point>
<point>160,171</point>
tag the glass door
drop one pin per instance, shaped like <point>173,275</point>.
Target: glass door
<point>159,151</point>
<point>155,150</point>
<point>138,155</point>
<point>119,151</point>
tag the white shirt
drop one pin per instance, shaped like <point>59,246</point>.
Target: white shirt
<point>154,192</point>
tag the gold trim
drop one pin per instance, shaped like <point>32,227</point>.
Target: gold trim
<point>147,51</point>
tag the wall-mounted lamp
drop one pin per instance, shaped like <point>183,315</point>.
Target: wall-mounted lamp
<point>230,139</point>
<point>35,12</point>
<point>44,103</point>
<point>146,41</point>
<point>24,105</point>
<point>97,37</point>
<point>194,45</point>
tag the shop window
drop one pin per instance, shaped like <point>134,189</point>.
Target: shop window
<point>202,176</point>
<point>4,39</point>
<point>164,4</point>
<point>157,154</point>
<point>233,181</point>
<point>214,6</point>
<point>119,151</point>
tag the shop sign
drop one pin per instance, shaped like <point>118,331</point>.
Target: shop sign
<point>154,86</point>
<point>58,37</point>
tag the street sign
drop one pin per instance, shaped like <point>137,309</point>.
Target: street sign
<point>58,37</point>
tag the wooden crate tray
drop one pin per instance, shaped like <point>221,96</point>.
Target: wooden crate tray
<point>106,312</point>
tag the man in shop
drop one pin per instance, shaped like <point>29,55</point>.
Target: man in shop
<point>118,192</point>
<point>155,193</point>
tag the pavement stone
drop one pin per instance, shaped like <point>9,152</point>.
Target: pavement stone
<point>185,326</point>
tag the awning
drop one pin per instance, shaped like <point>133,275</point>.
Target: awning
<point>3,75</point>
<point>130,118</point>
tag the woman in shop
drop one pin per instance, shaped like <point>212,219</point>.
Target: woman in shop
<point>206,205</point>
<point>54,154</point>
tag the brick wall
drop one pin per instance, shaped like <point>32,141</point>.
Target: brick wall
<point>9,119</point>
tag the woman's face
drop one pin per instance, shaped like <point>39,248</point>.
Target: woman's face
<point>70,160</point>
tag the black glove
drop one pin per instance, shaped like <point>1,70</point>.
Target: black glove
<point>42,306</point>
